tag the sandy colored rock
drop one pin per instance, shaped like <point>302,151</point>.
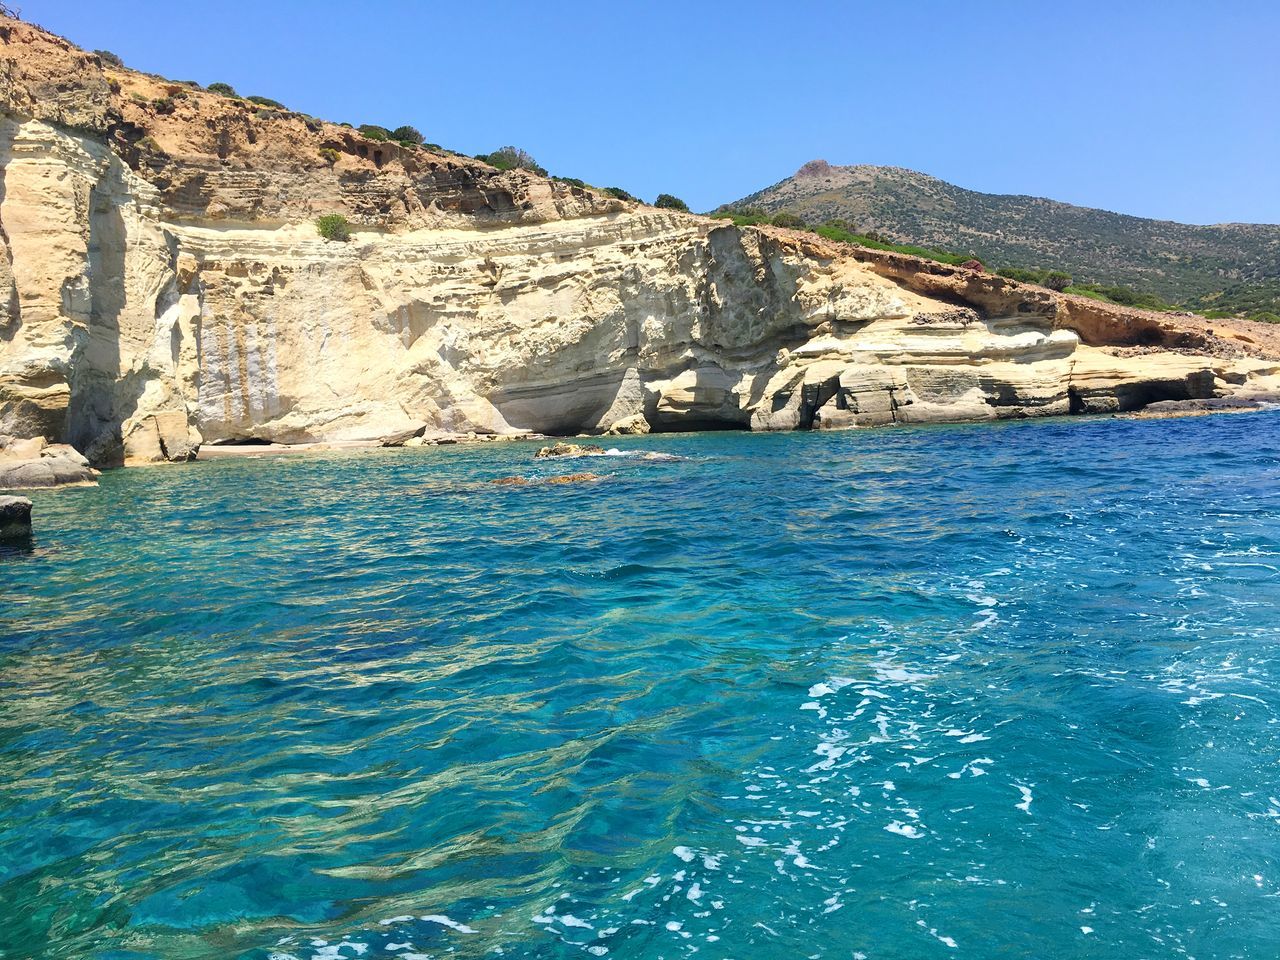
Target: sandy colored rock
<point>634,425</point>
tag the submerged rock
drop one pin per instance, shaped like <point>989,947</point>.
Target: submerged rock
<point>569,450</point>
<point>15,518</point>
<point>574,478</point>
<point>525,481</point>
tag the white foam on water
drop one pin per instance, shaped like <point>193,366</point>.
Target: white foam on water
<point>569,920</point>
<point>828,687</point>
<point>446,922</point>
<point>905,830</point>
<point>389,921</point>
<point>1025,805</point>
<point>684,853</point>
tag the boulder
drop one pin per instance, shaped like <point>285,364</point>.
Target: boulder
<point>15,518</point>
<point>634,425</point>
<point>166,435</point>
<point>45,471</point>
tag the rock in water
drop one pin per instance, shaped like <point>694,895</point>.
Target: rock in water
<point>569,450</point>
<point>26,464</point>
<point>15,518</point>
<point>634,425</point>
<point>574,478</point>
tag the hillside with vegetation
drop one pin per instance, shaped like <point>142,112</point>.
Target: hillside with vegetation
<point>1220,270</point>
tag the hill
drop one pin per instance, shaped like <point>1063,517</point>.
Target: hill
<point>1233,267</point>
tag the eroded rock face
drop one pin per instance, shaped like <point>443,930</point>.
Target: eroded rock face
<point>162,286</point>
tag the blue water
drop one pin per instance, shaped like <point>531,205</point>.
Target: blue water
<point>980,691</point>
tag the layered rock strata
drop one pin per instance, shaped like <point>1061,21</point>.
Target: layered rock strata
<point>162,286</point>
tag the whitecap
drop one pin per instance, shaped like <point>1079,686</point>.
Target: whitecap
<point>905,830</point>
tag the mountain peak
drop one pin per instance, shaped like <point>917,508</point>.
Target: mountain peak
<point>1224,266</point>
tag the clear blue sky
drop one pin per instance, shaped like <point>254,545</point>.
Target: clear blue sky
<point>1163,109</point>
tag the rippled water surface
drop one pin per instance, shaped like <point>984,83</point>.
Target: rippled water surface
<point>983,691</point>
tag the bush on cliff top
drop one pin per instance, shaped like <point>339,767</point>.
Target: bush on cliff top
<point>333,226</point>
<point>513,158</point>
<point>225,89</point>
<point>667,202</point>
<point>371,131</point>
<point>408,135</point>
<point>1123,296</point>
<point>109,58</point>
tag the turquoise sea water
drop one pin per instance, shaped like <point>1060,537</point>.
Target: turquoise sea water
<point>974,691</point>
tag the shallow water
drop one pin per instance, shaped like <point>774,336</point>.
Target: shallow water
<point>987,691</point>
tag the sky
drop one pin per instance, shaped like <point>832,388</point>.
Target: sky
<point>1159,109</point>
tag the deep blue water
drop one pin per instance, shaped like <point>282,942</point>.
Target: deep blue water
<point>980,691</point>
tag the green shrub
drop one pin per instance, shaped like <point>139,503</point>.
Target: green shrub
<point>513,158</point>
<point>1022,275</point>
<point>109,58</point>
<point>329,155</point>
<point>266,102</point>
<point>163,105</point>
<point>840,233</point>
<point>223,89</point>
<point>1265,316</point>
<point>371,131</point>
<point>1121,296</point>
<point>333,226</point>
<point>620,194</point>
<point>148,145</point>
<point>750,217</point>
<point>572,181</point>
<point>667,202</point>
<point>788,220</point>
<point>1057,280</point>
<point>408,135</point>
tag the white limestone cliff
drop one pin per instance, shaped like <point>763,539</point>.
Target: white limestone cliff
<point>162,285</point>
